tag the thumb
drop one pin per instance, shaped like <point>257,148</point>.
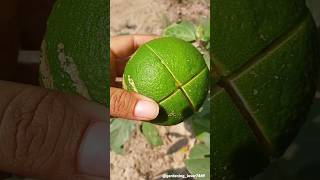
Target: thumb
<point>130,105</point>
<point>50,135</point>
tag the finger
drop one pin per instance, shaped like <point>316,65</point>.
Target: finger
<point>50,135</point>
<point>121,47</point>
<point>91,151</point>
<point>124,46</point>
<point>130,105</point>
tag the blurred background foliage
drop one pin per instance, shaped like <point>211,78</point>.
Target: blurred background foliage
<point>302,159</point>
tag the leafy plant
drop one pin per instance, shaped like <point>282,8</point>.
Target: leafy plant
<point>120,131</point>
<point>198,162</point>
<point>151,134</point>
<point>184,30</point>
<point>190,32</point>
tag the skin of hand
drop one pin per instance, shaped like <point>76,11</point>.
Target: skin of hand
<point>44,133</point>
<point>125,104</point>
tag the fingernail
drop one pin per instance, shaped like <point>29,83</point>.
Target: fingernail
<point>146,110</point>
<point>94,150</point>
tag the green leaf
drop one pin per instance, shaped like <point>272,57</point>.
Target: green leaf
<point>184,30</point>
<point>150,132</point>
<point>199,167</point>
<point>200,122</point>
<point>201,119</point>
<point>201,125</point>
<point>206,56</point>
<point>199,32</point>
<point>203,30</point>
<point>206,27</point>
<point>208,45</point>
<point>120,130</point>
<point>204,137</point>
<point>199,151</point>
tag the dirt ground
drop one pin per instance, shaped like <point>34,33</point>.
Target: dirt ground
<point>150,17</point>
<point>140,161</point>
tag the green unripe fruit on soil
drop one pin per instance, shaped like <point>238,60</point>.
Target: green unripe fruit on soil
<point>265,59</point>
<point>75,49</point>
<point>173,73</point>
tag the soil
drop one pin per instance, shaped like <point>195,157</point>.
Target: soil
<point>140,161</point>
<point>151,17</point>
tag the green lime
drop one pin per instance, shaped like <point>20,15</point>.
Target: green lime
<point>75,49</point>
<point>265,60</point>
<point>173,73</point>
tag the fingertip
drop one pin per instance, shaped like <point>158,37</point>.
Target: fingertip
<point>146,110</point>
<point>93,153</point>
<point>131,105</point>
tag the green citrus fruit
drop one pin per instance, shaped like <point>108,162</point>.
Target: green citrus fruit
<point>75,50</point>
<point>173,73</point>
<point>264,60</point>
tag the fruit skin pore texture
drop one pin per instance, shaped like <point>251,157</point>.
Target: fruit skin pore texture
<point>75,49</point>
<point>173,73</point>
<point>264,66</point>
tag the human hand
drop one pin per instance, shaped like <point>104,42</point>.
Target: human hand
<point>51,135</point>
<point>43,133</point>
<point>126,104</point>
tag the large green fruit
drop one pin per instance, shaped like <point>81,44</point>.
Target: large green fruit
<point>264,59</point>
<point>75,50</point>
<point>173,73</point>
